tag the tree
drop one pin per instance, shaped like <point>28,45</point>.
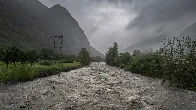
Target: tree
<point>11,55</point>
<point>46,54</point>
<point>31,56</point>
<point>68,58</point>
<point>23,57</point>
<point>84,56</point>
<point>1,54</point>
<point>125,58</point>
<point>137,52</point>
<point>111,55</point>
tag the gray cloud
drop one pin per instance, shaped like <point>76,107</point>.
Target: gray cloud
<point>164,11</point>
<point>129,22</point>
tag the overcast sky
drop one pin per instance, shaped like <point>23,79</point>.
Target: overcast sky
<point>129,22</point>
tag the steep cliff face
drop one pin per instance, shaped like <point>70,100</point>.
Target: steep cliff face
<point>20,27</point>
<point>30,24</point>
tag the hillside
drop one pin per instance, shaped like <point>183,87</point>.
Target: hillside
<point>153,43</point>
<point>30,24</point>
<point>189,31</point>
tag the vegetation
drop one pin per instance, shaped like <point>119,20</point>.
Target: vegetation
<point>19,65</point>
<point>84,57</point>
<point>17,72</point>
<point>174,62</point>
<point>112,55</point>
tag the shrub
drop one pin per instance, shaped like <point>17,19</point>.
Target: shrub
<point>11,55</point>
<point>84,56</point>
<point>46,63</point>
<point>175,62</point>
<point>111,56</point>
<point>122,66</point>
<point>32,56</point>
<point>17,73</point>
<point>68,58</point>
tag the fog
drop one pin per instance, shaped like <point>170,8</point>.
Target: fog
<point>129,22</point>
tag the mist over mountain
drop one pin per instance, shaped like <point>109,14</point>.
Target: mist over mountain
<point>30,24</point>
<point>148,44</point>
<point>166,18</point>
<point>189,31</point>
<point>155,43</point>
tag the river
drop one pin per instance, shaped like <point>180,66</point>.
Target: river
<point>96,87</point>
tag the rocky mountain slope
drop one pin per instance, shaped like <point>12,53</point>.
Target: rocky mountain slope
<point>30,24</point>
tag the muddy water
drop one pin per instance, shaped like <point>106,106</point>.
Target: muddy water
<point>97,87</point>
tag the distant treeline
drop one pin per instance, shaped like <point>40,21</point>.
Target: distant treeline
<point>14,55</point>
<point>24,65</point>
<point>174,62</point>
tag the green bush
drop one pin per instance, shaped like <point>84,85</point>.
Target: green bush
<point>122,66</point>
<point>21,65</point>
<point>175,62</point>
<point>68,59</point>
<point>56,69</point>
<point>111,56</point>
<point>18,72</point>
<point>46,62</point>
<point>84,56</point>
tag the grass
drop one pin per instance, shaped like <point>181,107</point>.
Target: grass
<point>26,72</point>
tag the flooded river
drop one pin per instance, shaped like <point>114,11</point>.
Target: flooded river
<point>97,87</point>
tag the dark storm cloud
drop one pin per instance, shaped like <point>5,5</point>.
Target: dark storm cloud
<point>164,11</point>
<point>129,22</point>
<point>103,21</point>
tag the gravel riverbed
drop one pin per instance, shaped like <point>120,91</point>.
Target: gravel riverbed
<point>97,87</point>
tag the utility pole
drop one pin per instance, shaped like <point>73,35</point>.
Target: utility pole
<point>56,47</point>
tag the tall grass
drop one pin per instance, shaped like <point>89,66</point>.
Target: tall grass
<point>26,72</point>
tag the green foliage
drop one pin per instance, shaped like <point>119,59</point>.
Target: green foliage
<point>56,68</point>
<point>46,62</point>
<point>175,62</point>
<point>179,64</point>
<point>23,66</point>
<point>148,64</point>
<point>84,56</point>
<point>32,56</point>
<point>137,52</point>
<point>111,55</point>
<point>18,72</point>
<point>11,55</point>
<point>14,55</point>
<point>123,59</point>
<point>68,58</point>
<point>46,54</point>
<point>1,54</point>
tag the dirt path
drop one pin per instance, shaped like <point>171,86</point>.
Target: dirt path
<point>97,87</point>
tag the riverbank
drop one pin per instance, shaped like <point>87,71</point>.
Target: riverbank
<point>26,72</point>
<point>93,88</point>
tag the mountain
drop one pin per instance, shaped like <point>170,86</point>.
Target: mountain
<point>30,24</point>
<point>189,31</point>
<point>152,43</point>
